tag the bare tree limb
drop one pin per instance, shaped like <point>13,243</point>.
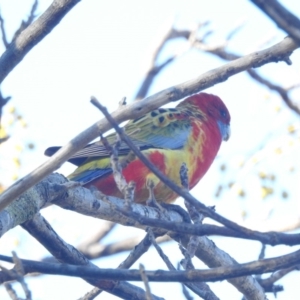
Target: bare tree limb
<point>17,274</point>
<point>82,200</point>
<point>281,16</point>
<point>137,251</point>
<point>268,283</point>
<point>214,257</point>
<point>280,90</point>
<point>220,52</point>
<point>278,52</point>
<point>180,191</point>
<point>251,286</point>
<point>33,34</point>
<point>151,70</point>
<point>40,229</point>
<point>212,275</point>
<point>93,208</point>
<point>199,288</point>
<point>10,291</point>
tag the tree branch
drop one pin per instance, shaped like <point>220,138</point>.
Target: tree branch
<point>33,34</point>
<point>256,76</point>
<point>211,275</point>
<point>281,16</point>
<point>40,229</point>
<point>180,191</point>
<point>278,52</point>
<point>56,189</point>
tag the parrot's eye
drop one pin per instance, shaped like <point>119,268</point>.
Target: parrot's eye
<point>223,113</point>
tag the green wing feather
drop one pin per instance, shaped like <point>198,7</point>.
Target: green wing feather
<point>167,128</point>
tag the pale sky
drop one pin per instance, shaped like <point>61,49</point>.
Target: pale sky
<point>101,49</point>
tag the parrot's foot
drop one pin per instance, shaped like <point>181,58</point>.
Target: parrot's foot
<point>153,203</point>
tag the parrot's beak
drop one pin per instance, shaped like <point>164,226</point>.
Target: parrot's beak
<point>224,130</point>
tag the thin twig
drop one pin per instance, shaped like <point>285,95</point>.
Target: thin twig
<point>20,271</point>
<point>220,51</point>
<point>199,288</point>
<point>159,251</point>
<point>146,282</point>
<point>268,283</point>
<point>262,252</point>
<point>186,293</point>
<point>137,251</point>
<point>11,292</point>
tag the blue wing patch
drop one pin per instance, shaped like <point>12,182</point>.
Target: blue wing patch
<point>169,142</point>
<point>90,175</point>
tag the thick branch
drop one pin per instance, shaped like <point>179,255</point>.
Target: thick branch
<point>278,52</point>
<point>56,189</point>
<point>212,275</point>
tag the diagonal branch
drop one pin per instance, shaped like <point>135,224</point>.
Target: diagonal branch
<point>137,251</point>
<point>278,52</point>
<point>154,68</point>
<point>281,16</point>
<point>180,191</point>
<point>26,23</point>
<point>199,288</point>
<point>268,283</point>
<point>40,229</point>
<point>220,52</point>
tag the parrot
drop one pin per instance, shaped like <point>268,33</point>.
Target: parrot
<point>191,134</point>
